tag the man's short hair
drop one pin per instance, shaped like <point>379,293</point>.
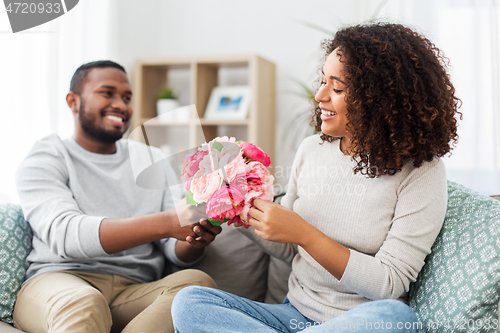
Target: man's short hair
<point>78,79</point>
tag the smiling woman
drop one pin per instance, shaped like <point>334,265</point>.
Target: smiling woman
<point>331,98</point>
<point>394,103</point>
<point>360,213</point>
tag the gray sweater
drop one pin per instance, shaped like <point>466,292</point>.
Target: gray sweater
<point>65,193</point>
<point>388,223</point>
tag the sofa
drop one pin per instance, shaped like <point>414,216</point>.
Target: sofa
<point>458,289</point>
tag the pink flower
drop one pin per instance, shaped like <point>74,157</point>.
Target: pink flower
<point>249,197</point>
<point>235,167</point>
<point>227,202</point>
<point>237,220</point>
<point>265,192</point>
<point>210,162</point>
<point>204,186</point>
<point>245,167</point>
<point>229,158</point>
<point>257,175</point>
<point>254,153</point>
<point>191,166</point>
<point>241,181</point>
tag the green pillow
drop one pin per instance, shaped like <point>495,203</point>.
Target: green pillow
<point>15,245</point>
<point>458,288</point>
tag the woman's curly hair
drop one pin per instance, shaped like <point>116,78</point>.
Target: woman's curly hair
<point>400,101</point>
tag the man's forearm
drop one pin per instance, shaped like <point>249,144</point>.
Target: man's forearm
<point>186,252</point>
<point>121,234</point>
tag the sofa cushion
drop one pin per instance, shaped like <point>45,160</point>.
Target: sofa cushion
<point>277,280</point>
<point>459,285</point>
<point>15,245</point>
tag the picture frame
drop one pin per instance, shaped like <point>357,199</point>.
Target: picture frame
<point>228,102</point>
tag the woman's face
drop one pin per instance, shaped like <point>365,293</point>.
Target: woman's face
<point>331,97</point>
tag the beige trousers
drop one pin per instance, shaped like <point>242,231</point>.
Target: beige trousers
<point>72,301</point>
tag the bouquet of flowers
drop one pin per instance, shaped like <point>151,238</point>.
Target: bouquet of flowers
<point>227,175</point>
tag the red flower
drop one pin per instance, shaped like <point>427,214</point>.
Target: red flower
<point>254,153</point>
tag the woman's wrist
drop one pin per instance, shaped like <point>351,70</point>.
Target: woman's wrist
<point>327,252</point>
<point>306,234</point>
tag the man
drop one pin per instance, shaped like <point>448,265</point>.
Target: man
<point>98,237</point>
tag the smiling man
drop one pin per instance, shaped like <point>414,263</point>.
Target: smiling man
<point>99,240</point>
<point>101,102</point>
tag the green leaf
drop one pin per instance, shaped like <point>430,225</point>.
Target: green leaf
<point>217,145</point>
<point>167,93</point>
<point>190,200</point>
<point>314,26</point>
<point>307,91</point>
<point>217,222</point>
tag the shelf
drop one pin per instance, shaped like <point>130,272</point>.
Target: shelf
<point>194,77</point>
<point>203,122</point>
<point>216,122</point>
<point>155,122</point>
<point>224,60</point>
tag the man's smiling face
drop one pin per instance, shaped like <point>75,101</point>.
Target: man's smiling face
<point>105,104</point>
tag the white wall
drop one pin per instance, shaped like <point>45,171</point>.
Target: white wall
<point>269,28</point>
<point>35,70</point>
<point>33,84</point>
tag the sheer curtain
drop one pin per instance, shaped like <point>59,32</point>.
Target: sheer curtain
<point>467,31</point>
<point>36,67</point>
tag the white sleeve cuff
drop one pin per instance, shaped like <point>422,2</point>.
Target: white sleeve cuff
<point>169,250</point>
<point>82,237</point>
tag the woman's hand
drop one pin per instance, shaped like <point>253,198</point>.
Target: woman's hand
<point>277,223</point>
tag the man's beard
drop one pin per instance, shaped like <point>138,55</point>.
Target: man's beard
<point>87,123</point>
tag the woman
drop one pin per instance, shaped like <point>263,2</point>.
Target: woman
<point>366,198</point>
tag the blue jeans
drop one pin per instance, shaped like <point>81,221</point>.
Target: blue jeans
<point>200,309</point>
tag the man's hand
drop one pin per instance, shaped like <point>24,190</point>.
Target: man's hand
<point>194,246</point>
<point>188,214</point>
<point>181,220</point>
<point>205,232</point>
